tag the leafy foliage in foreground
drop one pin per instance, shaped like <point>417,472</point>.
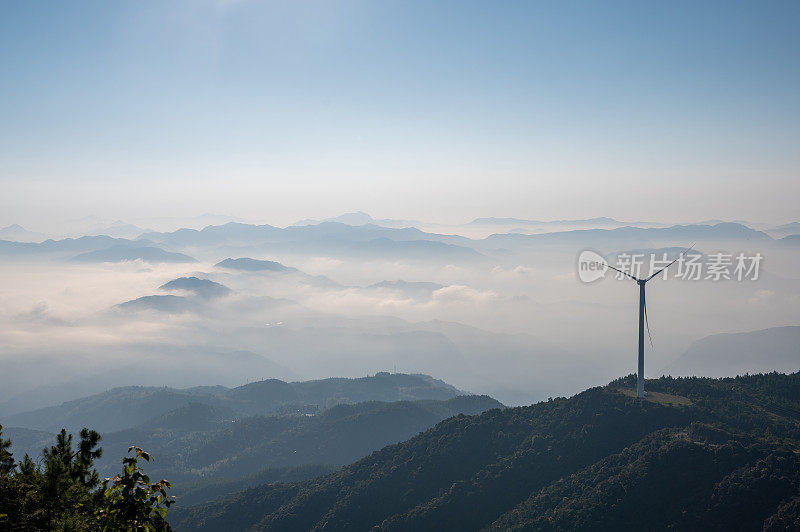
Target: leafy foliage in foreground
<point>60,494</point>
<point>724,455</point>
<point>130,501</point>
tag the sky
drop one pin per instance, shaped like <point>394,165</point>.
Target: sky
<point>275,111</point>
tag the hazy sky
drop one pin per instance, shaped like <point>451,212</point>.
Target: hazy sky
<point>280,110</point>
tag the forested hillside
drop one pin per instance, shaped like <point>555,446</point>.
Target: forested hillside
<point>197,448</point>
<point>697,454</point>
<point>204,452</point>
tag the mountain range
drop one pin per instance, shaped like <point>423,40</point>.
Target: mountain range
<point>233,438</point>
<point>127,407</point>
<point>369,241</point>
<point>697,454</point>
<point>130,253</point>
<point>634,237</point>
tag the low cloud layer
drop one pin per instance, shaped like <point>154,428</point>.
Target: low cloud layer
<point>518,325</point>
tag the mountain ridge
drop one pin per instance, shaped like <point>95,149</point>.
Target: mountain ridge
<point>477,472</point>
<point>137,404</point>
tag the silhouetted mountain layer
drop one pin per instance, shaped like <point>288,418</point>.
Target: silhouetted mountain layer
<point>128,253</point>
<point>326,235</point>
<point>636,237</point>
<point>127,407</point>
<point>697,454</point>
<point>200,287</point>
<point>370,241</point>
<point>253,265</point>
<point>67,246</point>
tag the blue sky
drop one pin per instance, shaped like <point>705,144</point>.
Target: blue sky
<point>444,111</point>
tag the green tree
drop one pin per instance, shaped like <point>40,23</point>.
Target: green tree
<point>65,485</point>
<point>131,502</point>
<point>60,493</point>
<point>6,459</point>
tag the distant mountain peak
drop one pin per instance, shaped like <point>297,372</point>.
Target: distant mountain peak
<point>201,287</point>
<point>252,265</point>
<point>17,233</point>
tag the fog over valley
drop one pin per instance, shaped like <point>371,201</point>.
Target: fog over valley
<point>503,314</point>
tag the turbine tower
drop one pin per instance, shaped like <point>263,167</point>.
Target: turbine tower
<point>643,319</point>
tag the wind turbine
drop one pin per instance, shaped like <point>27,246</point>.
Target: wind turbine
<point>643,319</point>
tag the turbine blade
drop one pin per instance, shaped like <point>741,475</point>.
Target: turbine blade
<point>623,273</point>
<point>671,263</point>
<point>647,323</point>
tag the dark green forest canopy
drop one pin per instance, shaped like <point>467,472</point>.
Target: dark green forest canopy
<point>210,454</point>
<point>715,454</point>
<point>188,450</point>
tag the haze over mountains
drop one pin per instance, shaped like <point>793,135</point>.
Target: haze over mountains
<point>124,253</point>
<point>500,313</point>
<point>775,349</point>
<point>129,407</point>
<point>92,226</point>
